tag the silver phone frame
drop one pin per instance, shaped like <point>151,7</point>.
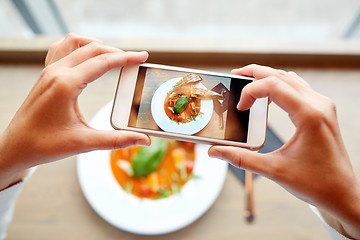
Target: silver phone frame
<point>124,96</point>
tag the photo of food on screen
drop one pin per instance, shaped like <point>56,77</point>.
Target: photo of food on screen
<point>189,103</point>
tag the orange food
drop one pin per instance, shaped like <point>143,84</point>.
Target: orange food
<point>190,113</point>
<point>173,172</point>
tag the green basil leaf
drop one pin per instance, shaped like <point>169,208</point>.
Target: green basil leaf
<point>149,158</point>
<point>181,105</point>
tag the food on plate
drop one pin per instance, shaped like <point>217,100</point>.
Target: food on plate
<point>149,158</point>
<point>204,93</point>
<point>183,103</point>
<point>182,108</point>
<point>154,172</point>
<point>191,78</point>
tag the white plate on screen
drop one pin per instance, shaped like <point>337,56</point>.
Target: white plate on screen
<point>166,124</point>
<point>142,216</point>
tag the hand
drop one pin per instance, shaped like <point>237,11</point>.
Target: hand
<point>49,126</point>
<point>314,164</point>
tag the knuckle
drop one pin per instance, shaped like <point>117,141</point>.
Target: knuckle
<point>46,72</point>
<point>254,66</point>
<point>286,75</point>
<point>332,106</point>
<point>272,82</point>
<point>236,159</point>
<point>57,81</point>
<point>71,36</point>
<point>118,143</point>
<point>292,73</point>
<point>104,60</point>
<point>96,47</point>
<point>121,142</point>
<point>281,72</point>
<point>53,47</point>
<point>62,84</point>
<point>322,113</point>
<point>313,116</point>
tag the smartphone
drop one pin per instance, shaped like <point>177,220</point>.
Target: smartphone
<point>188,105</point>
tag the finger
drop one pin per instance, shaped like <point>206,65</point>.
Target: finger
<point>99,139</point>
<point>95,67</point>
<point>243,158</point>
<point>257,71</point>
<point>64,47</point>
<point>299,79</point>
<point>79,115</point>
<point>89,51</point>
<point>52,49</point>
<point>278,91</point>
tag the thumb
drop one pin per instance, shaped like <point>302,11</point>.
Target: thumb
<point>112,139</point>
<point>243,158</point>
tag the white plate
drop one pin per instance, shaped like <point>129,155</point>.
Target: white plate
<point>166,124</point>
<point>142,216</point>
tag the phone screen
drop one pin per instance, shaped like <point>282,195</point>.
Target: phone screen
<point>189,103</point>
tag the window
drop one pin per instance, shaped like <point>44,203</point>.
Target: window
<point>186,19</point>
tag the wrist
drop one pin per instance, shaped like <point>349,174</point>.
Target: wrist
<point>10,172</point>
<point>351,222</point>
<point>346,214</point>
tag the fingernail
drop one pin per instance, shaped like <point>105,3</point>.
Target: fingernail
<point>138,53</point>
<point>143,53</point>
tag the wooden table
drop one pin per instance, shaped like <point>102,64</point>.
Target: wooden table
<point>52,206</point>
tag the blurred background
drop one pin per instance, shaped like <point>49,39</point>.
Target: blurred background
<point>185,19</point>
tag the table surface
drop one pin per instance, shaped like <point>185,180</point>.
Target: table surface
<point>52,205</point>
